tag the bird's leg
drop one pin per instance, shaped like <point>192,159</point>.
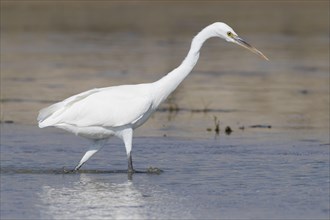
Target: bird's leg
<point>130,163</point>
<point>87,155</point>
<point>92,150</point>
<point>127,136</point>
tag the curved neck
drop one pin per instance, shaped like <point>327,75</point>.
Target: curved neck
<point>166,85</point>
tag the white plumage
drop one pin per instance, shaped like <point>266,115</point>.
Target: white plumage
<point>100,113</point>
<point>108,105</point>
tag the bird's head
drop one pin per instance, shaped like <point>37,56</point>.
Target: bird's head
<point>222,30</point>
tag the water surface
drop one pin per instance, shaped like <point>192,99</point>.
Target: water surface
<point>238,177</point>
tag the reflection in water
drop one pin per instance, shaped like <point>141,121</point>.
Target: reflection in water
<point>92,199</point>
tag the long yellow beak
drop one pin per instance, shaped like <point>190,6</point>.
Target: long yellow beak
<point>246,45</point>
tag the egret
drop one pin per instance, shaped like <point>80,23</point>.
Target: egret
<point>101,113</point>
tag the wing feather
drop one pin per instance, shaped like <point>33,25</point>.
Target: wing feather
<point>57,107</point>
<point>111,107</point>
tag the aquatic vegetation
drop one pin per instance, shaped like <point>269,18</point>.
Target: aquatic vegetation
<point>228,130</point>
<point>216,125</point>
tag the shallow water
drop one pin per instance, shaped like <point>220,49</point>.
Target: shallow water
<point>276,169</point>
<point>227,177</point>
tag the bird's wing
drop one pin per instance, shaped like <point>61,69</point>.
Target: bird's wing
<point>59,107</point>
<point>111,107</point>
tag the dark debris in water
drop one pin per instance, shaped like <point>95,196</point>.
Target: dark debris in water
<point>228,130</point>
<point>19,100</point>
<point>304,91</point>
<point>29,171</point>
<point>216,126</point>
<point>7,122</point>
<point>175,108</point>
<point>260,126</point>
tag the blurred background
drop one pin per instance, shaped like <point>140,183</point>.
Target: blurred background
<point>51,50</point>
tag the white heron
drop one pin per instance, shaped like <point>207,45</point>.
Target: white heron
<point>101,113</point>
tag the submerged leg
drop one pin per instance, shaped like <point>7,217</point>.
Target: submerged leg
<point>127,136</point>
<point>130,163</point>
<point>92,150</point>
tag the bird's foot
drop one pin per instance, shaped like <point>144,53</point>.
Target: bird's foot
<point>154,170</point>
<point>131,171</point>
<point>69,171</point>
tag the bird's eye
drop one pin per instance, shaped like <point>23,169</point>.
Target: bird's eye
<point>230,34</point>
